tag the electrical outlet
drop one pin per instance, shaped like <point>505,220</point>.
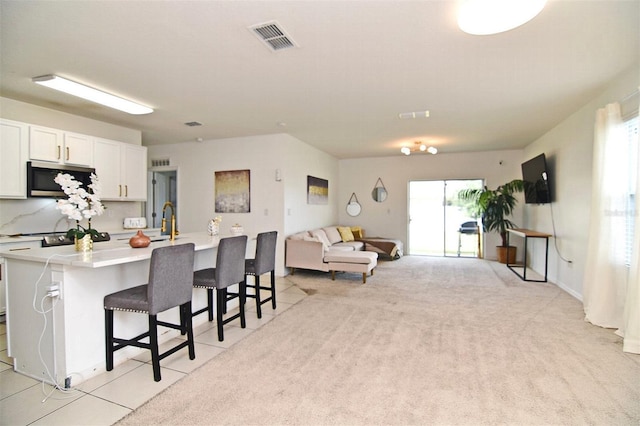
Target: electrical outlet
<point>54,290</point>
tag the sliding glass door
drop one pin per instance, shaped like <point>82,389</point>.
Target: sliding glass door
<point>439,224</point>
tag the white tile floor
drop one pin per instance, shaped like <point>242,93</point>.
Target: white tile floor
<point>106,398</point>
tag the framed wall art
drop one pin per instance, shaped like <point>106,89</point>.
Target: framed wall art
<point>233,191</point>
<point>317,190</point>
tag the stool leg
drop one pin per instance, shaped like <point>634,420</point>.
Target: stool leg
<point>153,343</point>
<point>108,332</point>
<point>257,293</point>
<point>189,329</point>
<point>364,278</point>
<point>220,303</point>
<point>273,289</point>
<point>210,303</point>
<point>243,298</point>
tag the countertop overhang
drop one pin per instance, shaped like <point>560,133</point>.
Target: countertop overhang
<point>108,253</point>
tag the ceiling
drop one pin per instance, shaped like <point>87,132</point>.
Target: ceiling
<point>357,66</point>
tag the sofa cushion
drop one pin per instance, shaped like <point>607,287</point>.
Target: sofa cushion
<point>364,257</point>
<point>321,236</point>
<point>349,246</point>
<point>299,236</point>
<point>332,234</point>
<point>345,234</point>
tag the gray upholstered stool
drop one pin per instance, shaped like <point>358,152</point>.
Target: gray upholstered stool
<point>265,261</point>
<point>229,270</point>
<point>170,285</point>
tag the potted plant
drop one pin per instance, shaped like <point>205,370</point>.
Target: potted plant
<point>494,205</point>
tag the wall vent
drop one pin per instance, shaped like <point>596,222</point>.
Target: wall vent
<point>159,162</point>
<point>273,35</point>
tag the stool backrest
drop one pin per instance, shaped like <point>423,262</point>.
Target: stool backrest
<point>170,277</point>
<point>265,260</point>
<point>230,261</point>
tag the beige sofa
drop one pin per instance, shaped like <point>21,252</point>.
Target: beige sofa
<point>326,249</point>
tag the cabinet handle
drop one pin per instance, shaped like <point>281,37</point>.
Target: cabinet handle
<point>67,153</point>
<point>126,190</point>
<point>58,152</point>
<point>119,190</point>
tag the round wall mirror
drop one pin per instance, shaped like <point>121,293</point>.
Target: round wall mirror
<point>353,206</point>
<point>379,193</point>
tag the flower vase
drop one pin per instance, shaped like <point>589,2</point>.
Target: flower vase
<point>84,244</point>
<point>213,228</point>
<point>139,240</point>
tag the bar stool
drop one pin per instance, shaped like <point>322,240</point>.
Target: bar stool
<point>170,285</point>
<point>229,270</point>
<point>265,261</point>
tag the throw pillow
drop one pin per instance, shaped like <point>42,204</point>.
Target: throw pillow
<point>317,240</point>
<point>322,237</point>
<point>345,233</point>
<point>332,234</point>
<point>357,232</point>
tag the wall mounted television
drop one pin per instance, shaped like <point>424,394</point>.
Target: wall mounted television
<point>536,181</point>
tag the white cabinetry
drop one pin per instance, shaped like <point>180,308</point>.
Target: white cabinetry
<point>14,151</point>
<point>46,144</point>
<point>122,170</point>
<point>19,245</point>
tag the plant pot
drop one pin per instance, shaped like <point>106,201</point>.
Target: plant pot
<point>502,254</point>
<point>84,244</point>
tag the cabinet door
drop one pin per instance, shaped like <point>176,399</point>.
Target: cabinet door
<point>78,149</point>
<point>14,150</point>
<point>107,165</point>
<point>45,144</point>
<point>134,172</point>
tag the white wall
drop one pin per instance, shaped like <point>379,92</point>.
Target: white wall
<point>390,218</point>
<point>569,151</point>
<point>275,205</point>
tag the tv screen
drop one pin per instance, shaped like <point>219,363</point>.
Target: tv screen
<point>536,181</point>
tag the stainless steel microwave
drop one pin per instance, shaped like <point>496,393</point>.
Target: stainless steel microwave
<point>41,175</point>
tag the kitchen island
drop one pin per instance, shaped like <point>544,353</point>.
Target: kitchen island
<point>55,314</point>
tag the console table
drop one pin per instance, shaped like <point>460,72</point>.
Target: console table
<point>526,234</point>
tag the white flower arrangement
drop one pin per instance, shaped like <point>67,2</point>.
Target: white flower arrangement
<point>81,204</point>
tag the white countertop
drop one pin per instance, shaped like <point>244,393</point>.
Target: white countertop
<point>108,253</point>
<point>113,232</point>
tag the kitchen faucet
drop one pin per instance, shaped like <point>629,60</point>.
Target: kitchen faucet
<point>174,232</point>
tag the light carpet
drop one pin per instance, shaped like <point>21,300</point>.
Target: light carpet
<point>425,341</point>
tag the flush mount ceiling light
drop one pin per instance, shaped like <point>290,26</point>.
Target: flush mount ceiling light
<point>419,147</point>
<point>414,114</point>
<point>484,17</point>
<point>91,94</point>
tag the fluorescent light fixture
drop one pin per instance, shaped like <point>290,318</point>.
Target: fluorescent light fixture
<point>483,17</point>
<point>91,94</point>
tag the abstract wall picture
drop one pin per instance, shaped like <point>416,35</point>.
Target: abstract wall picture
<point>317,190</point>
<point>233,191</point>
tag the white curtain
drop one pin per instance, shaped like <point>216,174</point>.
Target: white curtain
<point>606,273</point>
<point>631,318</point>
<point>611,289</point>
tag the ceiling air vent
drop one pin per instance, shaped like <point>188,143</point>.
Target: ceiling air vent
<point>193,124</point>
<point>160,162</point>
<point>272,34</point>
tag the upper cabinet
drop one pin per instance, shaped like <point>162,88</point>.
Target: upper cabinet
<point>122,170</point>
<point>14,153</point>
<point>46,144</point>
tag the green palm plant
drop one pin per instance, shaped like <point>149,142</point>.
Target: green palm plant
<point>494,205</point>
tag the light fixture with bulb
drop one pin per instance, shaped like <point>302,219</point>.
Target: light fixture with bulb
<point>485,17</point>
<point>419,147</point>
<point>89,93</point>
